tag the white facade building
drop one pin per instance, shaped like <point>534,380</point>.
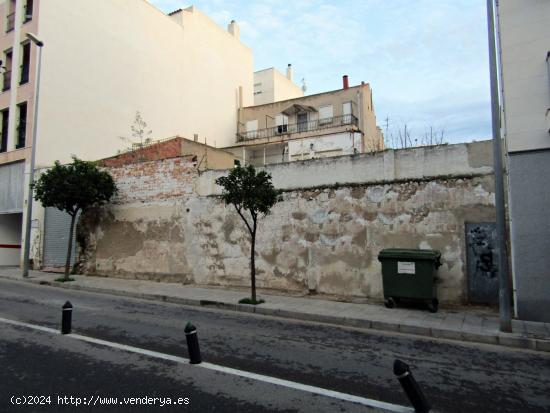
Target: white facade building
<point>524,37</point>
<point>103,61</point>
<point>270,86</point>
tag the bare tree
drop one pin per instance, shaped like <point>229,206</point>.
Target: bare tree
<point>403,137</point>
<point>141,137</point>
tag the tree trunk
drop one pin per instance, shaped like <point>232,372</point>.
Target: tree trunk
<point>253,263</point>
<point>69,248</point>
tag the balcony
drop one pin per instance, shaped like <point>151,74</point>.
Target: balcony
<point>300,127</point>
<point>10,22</point>
<point>6,81</point>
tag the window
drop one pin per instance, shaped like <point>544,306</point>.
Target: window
<point>28,11</point>
<point>301,119</point>
<point>25,65</point>
<point>252,128</point>
<point>325,114</point>
<point>282,123</point>
<point>7,72</point>
<point>5,120</point>
<point>21,125</point>
<point>346,113</point>
<point>10,16</point>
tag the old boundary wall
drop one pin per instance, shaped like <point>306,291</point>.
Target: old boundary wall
<point>168,223</point>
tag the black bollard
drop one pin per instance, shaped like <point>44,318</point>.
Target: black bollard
<point>411,387</point>
<point>192,344</point>
<point>66,318</point>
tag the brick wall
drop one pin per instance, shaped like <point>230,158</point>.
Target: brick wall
<point>154,181</point>
<point>318,239</point>
<point>161,150</point>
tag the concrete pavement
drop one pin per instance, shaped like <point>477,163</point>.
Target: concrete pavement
<point>470,325</point>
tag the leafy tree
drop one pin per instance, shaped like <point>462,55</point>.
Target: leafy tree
<point>74,188</point>
<point>252,194</point>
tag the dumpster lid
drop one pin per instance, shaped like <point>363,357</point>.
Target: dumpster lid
<point>409,254</point>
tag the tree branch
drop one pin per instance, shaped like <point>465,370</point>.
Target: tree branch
<point>244,219</point>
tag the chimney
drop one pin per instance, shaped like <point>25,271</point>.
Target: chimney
<point>234,29</point>
<point>345,81</point>
<point>289,72</point>
<point>196,137</point>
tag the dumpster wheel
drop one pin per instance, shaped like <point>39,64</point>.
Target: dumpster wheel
<point>433,306</point>
<point>389,302</point>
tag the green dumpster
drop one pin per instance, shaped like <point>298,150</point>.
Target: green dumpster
<point>409,274</point>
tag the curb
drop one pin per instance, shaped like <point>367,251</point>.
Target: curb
<point>510,340</point>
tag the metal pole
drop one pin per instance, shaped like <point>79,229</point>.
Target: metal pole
<point>192,344</point>
<point>28,223</point>
<point>411,387</point>
<point>66,317</point>
<point>504,283</point>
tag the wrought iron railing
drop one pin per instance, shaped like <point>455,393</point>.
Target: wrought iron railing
<point>10,22</point>
<point>7,80</point>
<point>299,127</point>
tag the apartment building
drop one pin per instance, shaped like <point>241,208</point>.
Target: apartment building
<point>339,122</point>
<point>102,61</point>
<point>524,37</point>
<point>270,86</point>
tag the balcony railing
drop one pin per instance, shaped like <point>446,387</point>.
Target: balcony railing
<point>7,80</point>
<point>299,127</point>
<point>10,22</point>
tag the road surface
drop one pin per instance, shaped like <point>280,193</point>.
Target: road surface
<point>455,377</point>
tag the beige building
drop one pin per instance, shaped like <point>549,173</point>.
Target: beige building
<point>339,122</point>
<point>270,86</point>
<point>524,37</point>
<point>101,62</point>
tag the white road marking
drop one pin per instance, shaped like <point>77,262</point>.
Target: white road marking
<point>227,370</point>
<point>33,326</point>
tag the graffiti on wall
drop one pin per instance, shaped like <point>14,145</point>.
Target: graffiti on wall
<point>482,262</point>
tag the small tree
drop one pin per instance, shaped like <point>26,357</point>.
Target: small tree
<point>74,188</point>
<point>250,191</point>
<point>141,136</point>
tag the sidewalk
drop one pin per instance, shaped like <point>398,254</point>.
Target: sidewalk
<point>462,325</point>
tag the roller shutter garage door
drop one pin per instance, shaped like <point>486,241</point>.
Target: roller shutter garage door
<point>56,236</point>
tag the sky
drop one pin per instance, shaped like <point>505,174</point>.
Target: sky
<point>426,60</point>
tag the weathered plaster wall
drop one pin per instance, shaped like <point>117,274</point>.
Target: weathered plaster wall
<point>324,240</point>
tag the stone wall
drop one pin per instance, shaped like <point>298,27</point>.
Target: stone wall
<point>168,224</point>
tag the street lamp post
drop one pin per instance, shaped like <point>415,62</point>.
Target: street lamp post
<point>27,246</point>
<point>504,283</point>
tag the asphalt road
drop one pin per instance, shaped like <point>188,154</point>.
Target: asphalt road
<point>455,377</point>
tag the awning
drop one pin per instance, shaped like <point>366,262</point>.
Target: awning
<point>294,109</point>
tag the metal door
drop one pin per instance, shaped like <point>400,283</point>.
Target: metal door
<point>56,236</point>
<point>482,262</point>
<point>302,122</point>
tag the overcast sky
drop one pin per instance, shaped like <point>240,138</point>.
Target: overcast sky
<point>426,60</point>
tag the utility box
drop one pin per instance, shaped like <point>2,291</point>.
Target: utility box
<point>410,274</point>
